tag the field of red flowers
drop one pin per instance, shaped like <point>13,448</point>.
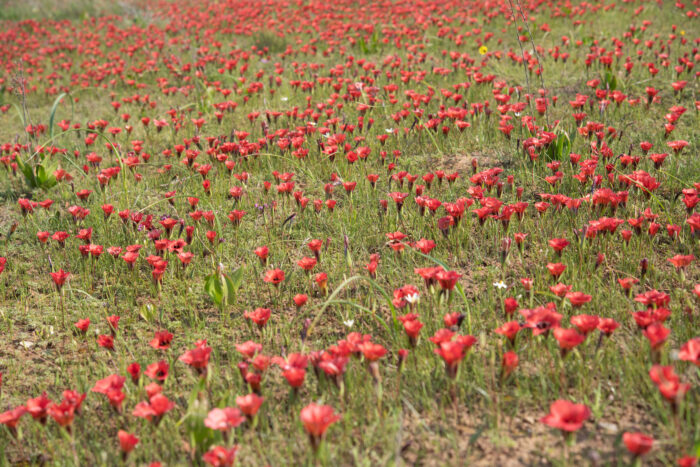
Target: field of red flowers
<point>350,233</point>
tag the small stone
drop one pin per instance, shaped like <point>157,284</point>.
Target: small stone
<point>609,427</point>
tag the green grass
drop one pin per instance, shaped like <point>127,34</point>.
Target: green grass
<point>417,420</point>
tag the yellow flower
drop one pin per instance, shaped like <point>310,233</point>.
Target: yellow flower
<point>682,32</point>
<point>483,50</point>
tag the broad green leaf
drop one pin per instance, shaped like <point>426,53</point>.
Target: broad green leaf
<point>212,286</point>
<point>237,279</point>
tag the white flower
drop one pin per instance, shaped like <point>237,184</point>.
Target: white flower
<point>284,99</point>
<point>27,344</point>
<point>389,130</point>
<point>349,322</point>
<point>500,285</point>
<point>413,298</point>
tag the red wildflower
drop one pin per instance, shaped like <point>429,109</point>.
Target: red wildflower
<point>259,316</point>
<point>566,416</point>
<point>249,404</point>
<point>127,441</point>
<point>638,443</point>
<point>509,330</point>
<point>59,278</point>
<point>657,335</point>
<point>62,413</point>
<point>668,383</point>
<point>219,456</point>
<point>690,351</point>
<point>224,419</point>
<point>316,420</point>
<point>158,370</point>
<point>509,362</point>
<point>161,340</point>
<point>567,338</point>
<point>38,406</point>
<point>197,358</point>
<point>274,276</point>
<point>447,279</point>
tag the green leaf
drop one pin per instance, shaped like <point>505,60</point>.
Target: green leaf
<point>44,178</point>
<point>147,312</point>
<point>237,279</point>
<point>41,176</point>
<point>28,172</point>
<point>213,288</point>
<point>54,107</point>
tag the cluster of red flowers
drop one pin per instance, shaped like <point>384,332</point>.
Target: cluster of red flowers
<point>297,145</point>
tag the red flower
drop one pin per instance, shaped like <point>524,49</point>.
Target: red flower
<point>556,269</point>
<point>294,376</point>
<point>568,338</point>
<point>657,335</point>
<point>249,404</point>
<point>307,264</point>
<point>412,328</point>
<point>668,383</point>
<point>74,398</point>
<point>219,456</point>
<point>158,371</point>
<point>157,406</point>
<point>315,246</point>
<point>260,316</point>
<point>566,416</point>
<point>300,300</point>
<point>447,279</point>
<point>37,407</point>
<point>509,362</point>
<point>105,341</point>
<point>688,461</point>
<point>638,443</point>
<point>197,358</point>
<point>113,322</point>
<point>627,282</point>
<point>681,261</point>
<point>577,299</point>
<point>111,382</point>
<point>274,276</point>
<point>509,330</point>
<point>398,198</point>
<point>372,351</point>
<point>677,146</point>
<point>607,326</point>
<point>161,340</point>
<point>59,278</point>
<point>542,319</point>
<point>134,370</point>
<point>62,413</point>
<point>690,351</point>
<point>585,323</point>
<point>442,335</point>
<point>224,419</point>
<point>262,253</point>
<point>127,441</point>
<point>316,420</point>
<point>425,246</point>
<point>83,325</point>
<point>510,305</point>
<point>558,244</point>
<point>11,417</point>
<point>452,352</point>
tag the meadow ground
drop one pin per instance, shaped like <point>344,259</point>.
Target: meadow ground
<point>351,233</point>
